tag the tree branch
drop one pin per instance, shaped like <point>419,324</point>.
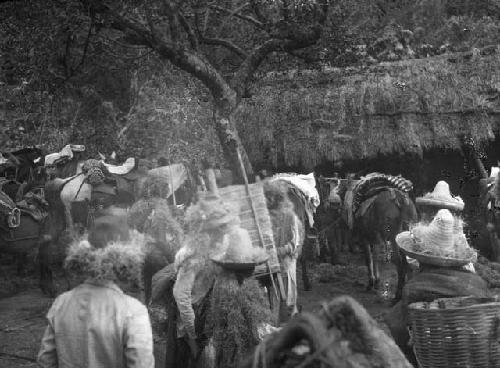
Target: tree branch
<point>258,13</point>
<point>171,11</point>
<point>295,39</point>
<point>236,14</point>
<point>87,42</point>
<point>191,62</point>
<point>253,61</point>
<point>226,44</point>
<point>192,37</point>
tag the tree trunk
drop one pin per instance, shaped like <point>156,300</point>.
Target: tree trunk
<point>231,143</point>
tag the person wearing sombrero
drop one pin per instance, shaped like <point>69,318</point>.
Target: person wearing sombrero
<point>441,198</point>
<point>96,324</point>
<point>442,250</point>
<point>238,305</point>
<point>213,230</point>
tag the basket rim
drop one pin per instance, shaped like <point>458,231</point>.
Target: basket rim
<point>493,301</point>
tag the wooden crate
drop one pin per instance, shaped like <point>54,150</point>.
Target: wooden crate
<point>253,222</point>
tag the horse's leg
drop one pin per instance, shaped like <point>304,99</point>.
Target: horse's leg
<point>399,259</point>
<point>375,259</point>
<point>305,276</point>
<point>147,279</point>
<point>46,275</point>
<point>369,264</point>
<point>69,220</point>
<point>333,245</point>
<point>22,260</point>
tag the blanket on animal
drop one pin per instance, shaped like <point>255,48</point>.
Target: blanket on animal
<point>430,284</point>
<point>374,183</point>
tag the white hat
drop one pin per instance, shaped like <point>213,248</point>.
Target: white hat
<point>441,243</point>
<point>442,198</point>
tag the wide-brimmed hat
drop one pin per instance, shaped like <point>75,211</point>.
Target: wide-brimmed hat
<point>441,198</point>
<point>441,243</point>
<point>237,252</point>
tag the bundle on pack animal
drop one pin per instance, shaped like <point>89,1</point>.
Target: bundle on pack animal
<point>378,219</point>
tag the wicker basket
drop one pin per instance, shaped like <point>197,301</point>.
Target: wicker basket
<point>254,223</point>
<point>456,332</point>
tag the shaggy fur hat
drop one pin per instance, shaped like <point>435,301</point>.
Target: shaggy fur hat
<point>120,260</point>
<point>276,193</point>
<point>210,213</point>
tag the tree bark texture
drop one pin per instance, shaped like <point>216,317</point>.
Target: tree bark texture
<point>227,132</point>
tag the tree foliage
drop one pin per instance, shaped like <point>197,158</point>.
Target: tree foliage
<point>155,77</point>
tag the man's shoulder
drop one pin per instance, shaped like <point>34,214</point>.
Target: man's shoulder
<point>134,306</point>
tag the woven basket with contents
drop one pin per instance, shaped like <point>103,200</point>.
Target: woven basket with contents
<point>456,332</point>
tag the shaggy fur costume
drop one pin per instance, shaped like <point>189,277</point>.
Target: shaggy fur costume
<point>236,312</point>
<point>119,261</point>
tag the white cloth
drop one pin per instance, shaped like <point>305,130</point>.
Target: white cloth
<point>494,171</point>
<point>305,183</point>
<point>67,151</point>
<point>122,169</point>
<point>289,264</point>
<point>3,160</point>
<point>349,196</point>
<point>175,175</point>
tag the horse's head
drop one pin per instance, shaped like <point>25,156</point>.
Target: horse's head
<point>329,192</point>
<point>408,210</point>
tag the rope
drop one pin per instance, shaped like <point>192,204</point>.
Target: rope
<point>81,185</point>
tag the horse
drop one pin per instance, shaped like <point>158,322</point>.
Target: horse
<point>332,218</point>
<point>21,233</point>
<point>21,163</point>
<point>390,212</point>
<point>489,202</point>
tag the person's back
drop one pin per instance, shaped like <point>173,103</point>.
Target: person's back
<point>96,325</point>
<point>92,324</point>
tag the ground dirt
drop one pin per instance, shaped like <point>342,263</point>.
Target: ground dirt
<point>23,306</point>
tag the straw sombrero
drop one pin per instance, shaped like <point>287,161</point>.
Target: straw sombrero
<point>442,198</point>
<point>238,253</point>
<point>441,243</point>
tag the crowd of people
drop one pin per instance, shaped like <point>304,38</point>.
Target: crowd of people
<point>215,309</point>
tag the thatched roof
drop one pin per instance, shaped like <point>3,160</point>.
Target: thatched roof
<point>408,106</point>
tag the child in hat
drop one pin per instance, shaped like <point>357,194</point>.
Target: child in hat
<point>96,324</point>
<point>442,250</point>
